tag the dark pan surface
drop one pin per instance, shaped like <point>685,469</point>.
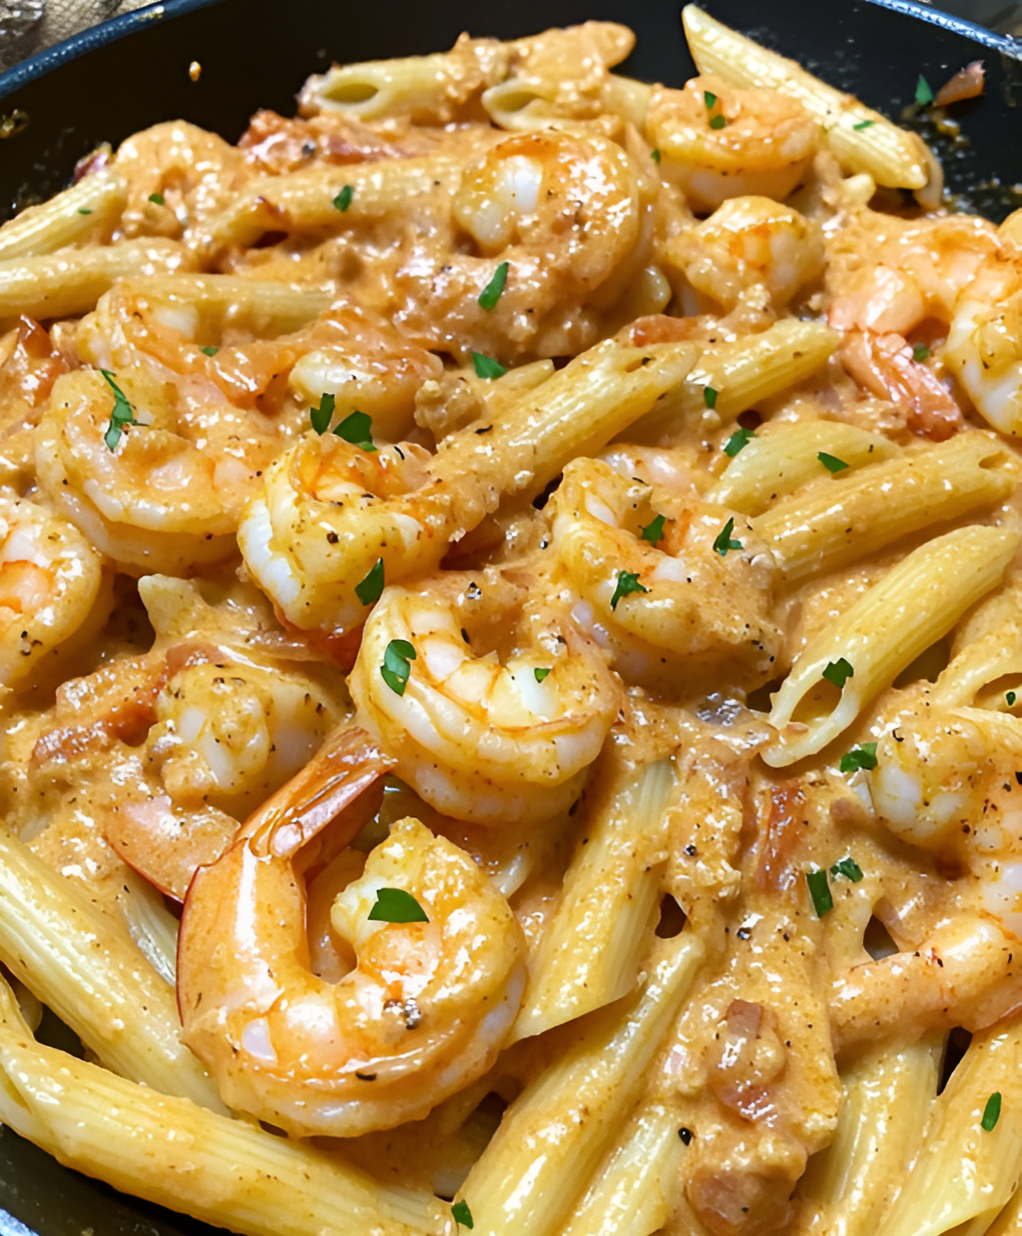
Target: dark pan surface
<point>133,72</point>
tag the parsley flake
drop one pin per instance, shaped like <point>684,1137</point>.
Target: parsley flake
<point>718,122</point>
<point>121,414</point>
<point>396,665</point>
<point>627,582</point>
<point>920,352</point>
<point>819,890</point>
<point>654,154</point>
<point>85,210</point>
<point>157,199</point>
<point>724,540</point>
<point>540,674</point>
<point>490,294</point>
<point>992,1112</point>
<point>838,672</point>
<point>210,350</point>
<point>368,591</point>
<point>863,124</point>
<point>394,905</point>
<point>323,415</point>
<point>1010,698</point>
<point>710,99</point>
<point>462,1214</point>
<point>653,531</point>
<point>848,868</point>
<point>487,367</point>
<point>862,756</point>
<point>709,396</point>
<point>343,200</point>
<point>924,95</point>
<point>831,462</point>
<point>356,429</point>
<point>738,441</point>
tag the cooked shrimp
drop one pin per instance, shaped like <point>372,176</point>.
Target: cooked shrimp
<point>984,345</point>
<point>886,365</point>
<point>53,594</point>
<point>423,1013</point>
<point>684,609</point>
<point>717,141</point>
<point>506,702</point>
<point>750,248</point>
<point>29,366</point>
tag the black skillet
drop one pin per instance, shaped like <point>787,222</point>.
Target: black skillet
<point>133,71</point>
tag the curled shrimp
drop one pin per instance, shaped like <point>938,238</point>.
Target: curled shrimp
<point>685,609</point>
<point>53,594</point>
<point>717,141</point>
<point>506,703</point>
<point>422,1013</point>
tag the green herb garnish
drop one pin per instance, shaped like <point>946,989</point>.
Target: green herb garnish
<point>356,429</point>
<point>992,1112</point>
<point>831,462</point>
<point>924,95</point>
<point>121,414</point>
<point>394,905</point>
<point>343,200</point>
<point>724,541</point>
<point>462,1214</point>
<point>627,582</point>
<point>157,199</point>
<point>654,154</point>
<point>324,414</point>
<point>710,99</point>
<point>396,665</point>
<point>487,367</point>
<point>653,531</point>
<point>1010,698</point>
<point>838,672</point>
<point>368,591</point>
<point>540,674</point>
<point>85,210</point>
<point>490,294</point>
<point>709,396</point>
<point>819,890</point>
<point>718,122</point>
<point>209,350</point>
<point>848,868</point>
<point>862,756</point>
<point>920,352</point>
<point>738,441</point>
<point>863,124</point>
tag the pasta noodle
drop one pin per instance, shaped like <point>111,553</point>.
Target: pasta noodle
<point>510,660</point>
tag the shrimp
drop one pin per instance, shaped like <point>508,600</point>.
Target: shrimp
<point>428,1004</point>
<point>29,367</point>
<point>750,248</point>
<point>684,609</point>
<point>54,595</point>
<point>496,721</point>
<point>717,141</point>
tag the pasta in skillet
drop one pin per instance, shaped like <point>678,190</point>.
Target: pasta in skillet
<point>512,662</point>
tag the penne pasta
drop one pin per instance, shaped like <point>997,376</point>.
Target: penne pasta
<point>916,603</point>
<point>258,305</point>
<point>87,208</point>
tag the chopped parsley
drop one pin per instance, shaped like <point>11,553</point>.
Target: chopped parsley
<point>85,210</point>
<point>323,415</point>
<point>709,396</point>
<point>654,154</point>
<point>992,1112</point>
<point>724,540</point>
<point>487,367</point>
<point>920,352</point>
<point>718,122</point>
<point>848,868</point>
<point>490,294</point>
<point>738,441</point>
<point>863,124</point>
<point>819,890</point>
<point>157,199</point>
<point>343,200</point>
<point>356,429</point>
<point>396,665</point>
<point>462,1214</point>
<point>368,591</point>
<point>653,531</point>
<point>540,674</point>
<point>627,582</point>
<point>710,99</point>
<point>121,414</point>
<point>209,350</point>
<point>1010,698</point>
<point>394,905</point>
<point>838,672</point>
<point>831,462</point>
<point>862,756</point>
<point>924,95</point>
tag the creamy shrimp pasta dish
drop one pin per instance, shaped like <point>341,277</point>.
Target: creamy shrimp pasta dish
<point>511,657</point>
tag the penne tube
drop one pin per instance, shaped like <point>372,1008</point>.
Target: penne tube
<point>855,515</point>
<point>994,657</point>
<point>849,1185</point>
<point>68,283</point>
<point>915,604</point>
<point>741,373</point>
<point>628,1196</point>
<point>76,961</point>
<point>775,463</point>
<point>894,157</point>
<point>965,1172</point>
<point>555,1133</point>
<point>627,98</point>
<point>305,201</point>
<point>89,206</point>
<point>169,1151</point>
<point>264,307</point>
<point>608,905</point>
<point>1009,1221</point>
